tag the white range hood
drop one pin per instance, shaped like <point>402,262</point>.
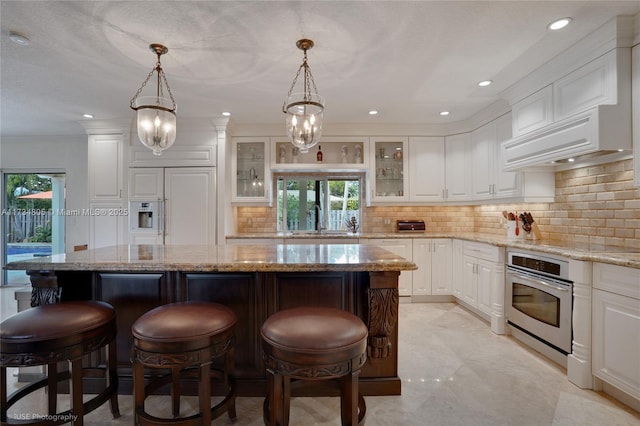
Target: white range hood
<point>598,131</point>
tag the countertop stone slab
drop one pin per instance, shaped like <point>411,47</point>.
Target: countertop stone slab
<point>223,258</point>
<point>591,253</point>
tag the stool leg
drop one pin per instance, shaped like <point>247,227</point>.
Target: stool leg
<point>205,392</point>
<point>138,388</point>
<point>52,387</point>
<point>175,391</point>
<point>112,371</point>
<point>349,399</point>
<point>77,409</point>
<point>230,371</point>
<point>275,400</point>
<point>286,399</point>
<point>3,393</point>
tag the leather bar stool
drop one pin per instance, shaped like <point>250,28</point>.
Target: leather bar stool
<point>48,334</point>
<point>184,338</point>
<point>313,343</point>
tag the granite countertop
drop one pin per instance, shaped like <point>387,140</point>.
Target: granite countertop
<point>223,258</point>
<point>591,253</point>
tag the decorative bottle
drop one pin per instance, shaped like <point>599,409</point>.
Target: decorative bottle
<point>319,154</point>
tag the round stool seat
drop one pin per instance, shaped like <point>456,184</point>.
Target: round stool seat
<point>312,335</point>
<point>189,325</point>
<point>48,334</point>
<point>54,326</point>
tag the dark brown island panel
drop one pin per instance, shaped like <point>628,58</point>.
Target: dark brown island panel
<point>255,281</point>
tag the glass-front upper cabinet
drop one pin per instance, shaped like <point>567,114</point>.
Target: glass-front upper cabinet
<point>387,175</point>
<point>335,153</point>
<point>251,177</point>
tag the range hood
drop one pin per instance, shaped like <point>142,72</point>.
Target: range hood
<point>601,130</point>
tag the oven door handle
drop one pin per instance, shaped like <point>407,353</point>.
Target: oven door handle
<point>542,283</point>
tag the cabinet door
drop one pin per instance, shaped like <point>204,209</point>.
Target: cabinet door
<point>533,112</point>
<point>506,184</point>
<point>426,169</point>
<point>251,178</point>
<point>616,341</point>
<point>458,167</point>
<point>387,177</point>
<point>441,269</point>
<point>483,140</point>
<point>484,274</point>
<point>422,259</point>
<point>146,184</point>
<point>470,286</point>
<point>457,274</point>
<point>190,213</point>
<point>105,166</point>
<point>107,225</point>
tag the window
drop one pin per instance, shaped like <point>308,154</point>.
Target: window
<point>318,202</point>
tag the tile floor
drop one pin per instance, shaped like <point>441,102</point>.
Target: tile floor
<point>455,371</point>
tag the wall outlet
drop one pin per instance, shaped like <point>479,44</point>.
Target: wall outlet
<point>387,221</point>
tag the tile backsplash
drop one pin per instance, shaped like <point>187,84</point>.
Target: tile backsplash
<point>595,205</point>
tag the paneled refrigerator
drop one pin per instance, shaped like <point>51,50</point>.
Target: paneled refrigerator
<point>172,205</point>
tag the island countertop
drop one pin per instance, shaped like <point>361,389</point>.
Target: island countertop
<point>223,258</point>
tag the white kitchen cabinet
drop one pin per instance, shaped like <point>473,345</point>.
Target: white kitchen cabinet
<point>483,141</point>
<point>595,83</point>
<point>635,110</point>
<point>434,261</point>
<point>483,282</point>
<point>616,328</point>
<point>107,224</point>
<point>509,184</point>
<point>187,203</point>
<point>458,167</point>
<point>107,201</point>
<point>338,153</point>
<point>402,247</point>
<point>250,174</point>
<point>426,169</point>
<point>533,112</point>
<point>106,168</point>
<point>388,156</point>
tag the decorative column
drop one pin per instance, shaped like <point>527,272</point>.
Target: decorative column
<point>383,313</point>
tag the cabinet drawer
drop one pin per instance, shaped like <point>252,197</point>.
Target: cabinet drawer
<point>616,279</point>
<point>482,251</point>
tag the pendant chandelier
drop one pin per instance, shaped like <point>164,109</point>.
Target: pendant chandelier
<point>304,109</point>
<point>156,115</point>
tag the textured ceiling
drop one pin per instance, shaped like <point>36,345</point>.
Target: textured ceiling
<point>407,59</point>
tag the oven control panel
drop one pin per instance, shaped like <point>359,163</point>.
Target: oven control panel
<point>538,263</point>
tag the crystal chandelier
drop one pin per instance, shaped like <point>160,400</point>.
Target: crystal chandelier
<point>304,109</point>
<point>156,115</point>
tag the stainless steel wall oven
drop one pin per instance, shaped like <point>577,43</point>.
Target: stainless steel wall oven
<point>539,298</point>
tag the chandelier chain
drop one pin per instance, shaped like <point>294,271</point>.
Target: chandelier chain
<point>309,82</point>
<point>161,77</point>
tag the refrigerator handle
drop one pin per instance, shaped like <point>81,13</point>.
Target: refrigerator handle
<point>162,218</point>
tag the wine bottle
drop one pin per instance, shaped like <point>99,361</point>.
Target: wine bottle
<point>319,154</point>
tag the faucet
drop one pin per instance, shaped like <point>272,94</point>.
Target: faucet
<point>319,218</point>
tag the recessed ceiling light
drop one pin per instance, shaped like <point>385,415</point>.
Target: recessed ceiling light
<point>87,115</point>
<point>484,83</point>
<point>373,112</point>
<point>226,113</point>
<point>444,113</point>
<point>559,24</point>
<point>18,38</point>
<point>571,160</point>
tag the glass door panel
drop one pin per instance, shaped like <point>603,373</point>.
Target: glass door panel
<point>33,219</point>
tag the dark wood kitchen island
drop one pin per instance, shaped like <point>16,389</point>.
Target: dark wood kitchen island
<point>253,280</point>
